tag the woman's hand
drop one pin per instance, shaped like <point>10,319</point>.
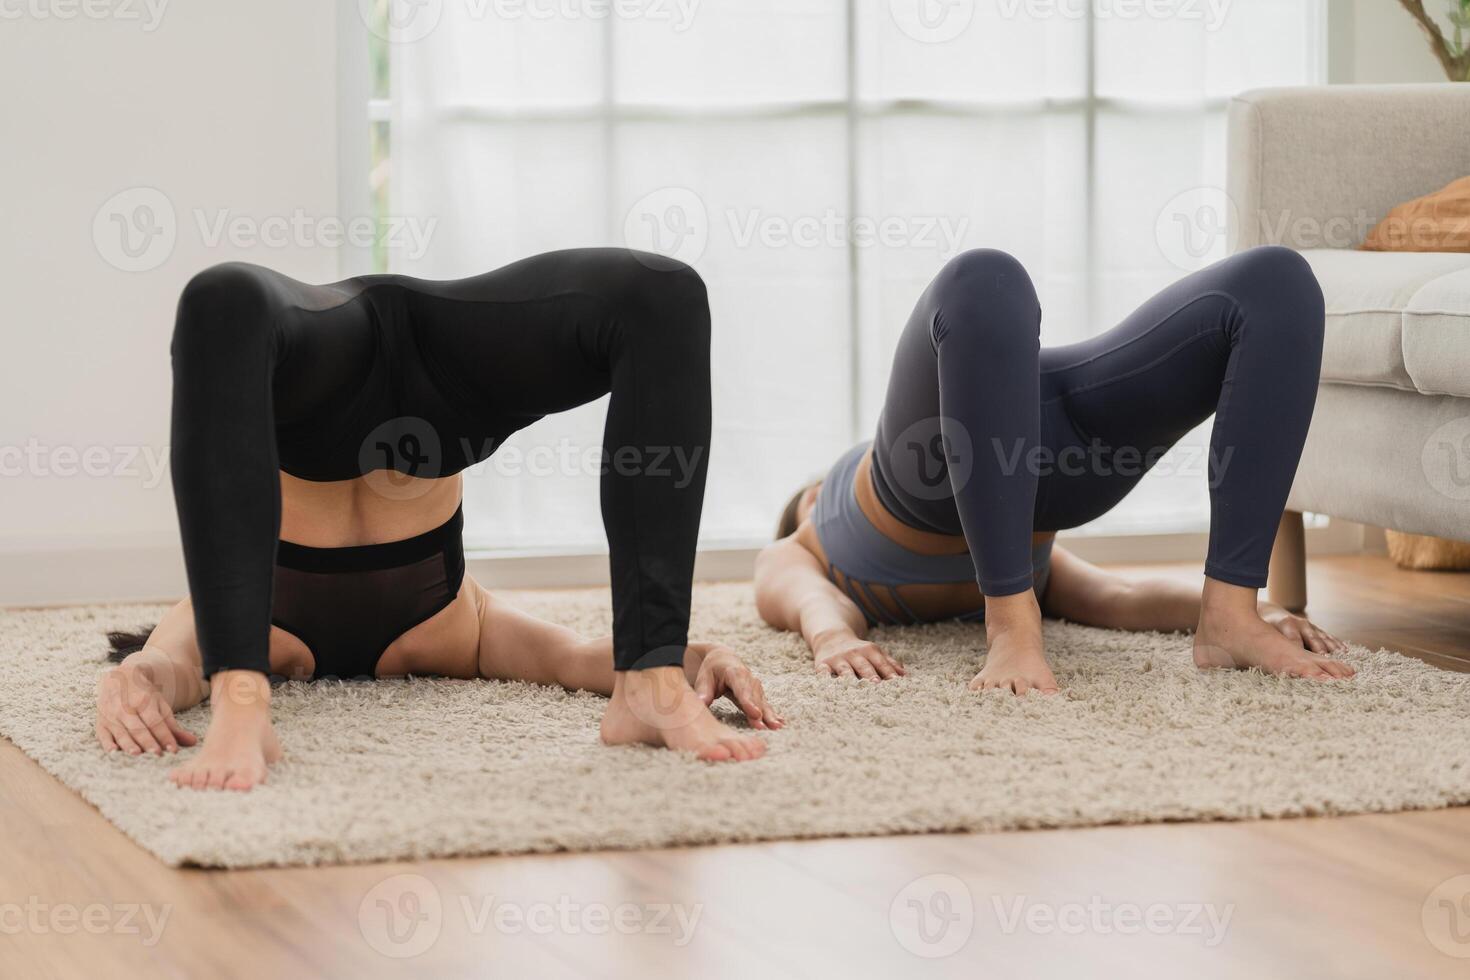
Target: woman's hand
<point>134,716</point>
<point>721,674</point>
<point>1302,630</point>
<point>850,656</point>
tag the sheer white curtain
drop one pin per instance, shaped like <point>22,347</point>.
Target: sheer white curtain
<point>818,161</point>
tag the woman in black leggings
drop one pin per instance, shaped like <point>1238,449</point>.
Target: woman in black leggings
<point>988,445</point>
<point>318,437</point>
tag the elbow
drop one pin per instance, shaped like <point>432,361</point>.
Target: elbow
<point>769,606</point>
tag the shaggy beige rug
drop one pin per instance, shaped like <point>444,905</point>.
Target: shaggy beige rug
<point>421,768</point>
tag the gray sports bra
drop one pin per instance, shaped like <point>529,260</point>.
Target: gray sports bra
<point>867,558</point>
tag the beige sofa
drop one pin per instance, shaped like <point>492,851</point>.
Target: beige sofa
<point>1315,169</point>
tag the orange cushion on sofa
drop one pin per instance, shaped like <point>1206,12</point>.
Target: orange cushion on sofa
<point>1438,222</point>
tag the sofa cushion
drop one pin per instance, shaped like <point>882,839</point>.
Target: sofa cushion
<point>1437,336</point>
<point>1396,319</point>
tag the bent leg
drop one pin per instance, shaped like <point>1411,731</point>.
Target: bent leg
<point>1242,340</point>
<point>961,416</point>
<point>555,331</point>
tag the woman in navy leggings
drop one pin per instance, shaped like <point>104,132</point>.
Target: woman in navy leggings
<point>989,444</point>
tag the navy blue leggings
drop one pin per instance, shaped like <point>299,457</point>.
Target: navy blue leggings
<point>984,433</point>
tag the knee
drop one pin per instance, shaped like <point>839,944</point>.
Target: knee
<point>667,299</point>
<point>1276,274</point>
<point>1277,285</point>
<point>987,293</point>
<point>222,310</point>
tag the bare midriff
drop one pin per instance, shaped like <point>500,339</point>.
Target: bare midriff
<point>929,602</point>
<point>380,507</point>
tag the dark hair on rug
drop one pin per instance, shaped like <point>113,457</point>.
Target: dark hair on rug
<point>123,642</point>
<point>786,526</point>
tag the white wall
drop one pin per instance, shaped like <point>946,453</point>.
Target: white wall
<point>1376,41</point>
<point>224,108</point>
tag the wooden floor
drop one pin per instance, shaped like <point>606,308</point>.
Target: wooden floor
<point>1373,896</point>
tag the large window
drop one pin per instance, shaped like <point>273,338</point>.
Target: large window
<point>817,161</point>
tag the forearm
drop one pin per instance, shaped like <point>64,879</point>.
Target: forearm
<point>823,620</point>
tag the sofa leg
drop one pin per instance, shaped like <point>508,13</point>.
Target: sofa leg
<point>1287,583</point>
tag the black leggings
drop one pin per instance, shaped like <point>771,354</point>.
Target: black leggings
<point>387,372</point>
<point>985,434</point>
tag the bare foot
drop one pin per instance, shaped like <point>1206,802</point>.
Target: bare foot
<point>1016,659</point>
<point>240,742</point>
<point>1232,634</point>
<point>658,707</point>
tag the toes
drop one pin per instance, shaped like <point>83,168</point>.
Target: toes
<point>241,781</point>
<point>751,748</point>
<point>188,777</point>
<point>715,752</point>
